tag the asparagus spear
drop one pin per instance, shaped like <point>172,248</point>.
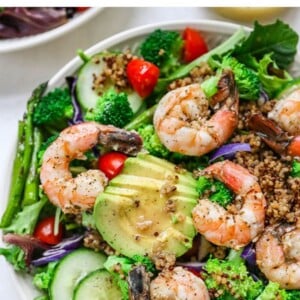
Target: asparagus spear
<point>22,159</point>
<point>144,118</point>
<point>28,143</point>
<point>17,180</point>
<point>31,193</point>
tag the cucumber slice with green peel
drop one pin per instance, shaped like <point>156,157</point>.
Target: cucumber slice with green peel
<point>88,96</point>
<point>97,285</point>
<point>71,269</point>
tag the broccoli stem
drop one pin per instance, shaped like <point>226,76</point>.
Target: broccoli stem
<point>142,119</point>
<point>31,193</point>
<point>235,255</point>
<point>22,159</point>
<point>219,50</point>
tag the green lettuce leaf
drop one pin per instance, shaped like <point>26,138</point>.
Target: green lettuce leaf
<point>272,83</point>
<point>15,256</point>
<point>25,221</point>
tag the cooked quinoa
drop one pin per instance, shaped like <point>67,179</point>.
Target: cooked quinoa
<point>197,75</point>
<point>114,71</point>
<point>95,241</point>
<point>272,170</point>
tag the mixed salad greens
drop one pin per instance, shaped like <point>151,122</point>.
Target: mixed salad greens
<point>89,255</point>
<point>16,22</point>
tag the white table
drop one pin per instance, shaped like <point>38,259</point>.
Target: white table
<point>21,71</point>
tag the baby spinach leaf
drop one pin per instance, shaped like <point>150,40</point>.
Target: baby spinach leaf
<point>277,38</point>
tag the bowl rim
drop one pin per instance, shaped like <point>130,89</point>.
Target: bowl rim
<point>213,26</point>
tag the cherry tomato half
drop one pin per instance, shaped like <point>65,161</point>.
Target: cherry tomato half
<point>111,163</point>
<point>81,9</point>
<point>142,75</point>
<point>194,44</point>
<point>44,231</point>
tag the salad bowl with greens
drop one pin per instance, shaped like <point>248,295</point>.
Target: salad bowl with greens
<point>104,204</point>
<point>26,27</point>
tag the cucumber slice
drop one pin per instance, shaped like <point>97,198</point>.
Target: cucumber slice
<point>71,269</point>
<point>97,285</point>
<point>87,96</point>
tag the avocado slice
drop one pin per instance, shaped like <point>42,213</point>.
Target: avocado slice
<point>147,208</point>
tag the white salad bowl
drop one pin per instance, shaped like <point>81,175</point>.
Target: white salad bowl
<point>214,32</point>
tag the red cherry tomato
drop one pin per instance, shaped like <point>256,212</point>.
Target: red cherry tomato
<point>142,75</point>
<point>81,9</point>
<point>44,231</point>
<point>111,163</point>
<point>194,45</point>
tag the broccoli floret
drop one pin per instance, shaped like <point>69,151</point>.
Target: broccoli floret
<point>145,261</point>
<point>54,110</point>
<point>292,294</point>
<point>295,172</point>
<point>230,277</point>
<point>273,292</point>
<point>163,48</point>
<point>44,276</point>
<point>155,147</point>
<point>112,108</point>
<point>218,192</point>
<point>152,142</point>
<point>118,266</point>
<point>44,146</point>
<point>247,80</point>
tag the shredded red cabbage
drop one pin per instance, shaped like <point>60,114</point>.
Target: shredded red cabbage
<point>263,98</point>
<point>249,254</point>
<point>229,150</point>
<point>58,251</point>
<point>50,258</point>
<point>77,116</point>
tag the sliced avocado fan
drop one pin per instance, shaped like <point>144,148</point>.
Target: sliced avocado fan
<point>146,209</point>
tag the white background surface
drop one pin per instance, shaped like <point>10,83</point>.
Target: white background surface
<point>23,70</point>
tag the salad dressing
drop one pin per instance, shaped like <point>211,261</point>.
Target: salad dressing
<point>250,14</point>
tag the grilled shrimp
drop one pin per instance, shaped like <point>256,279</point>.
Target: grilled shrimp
<point>181,122</point>
<point>178,284</point>
<point>276,138</point>
<point>79,193</point>
<point>222,227</point>
<point>286,113</point>
<point>278,254</point>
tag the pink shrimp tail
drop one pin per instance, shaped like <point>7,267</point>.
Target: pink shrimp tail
<point>294,146</point>
<point>274,136</point>
<point>232,175</point>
